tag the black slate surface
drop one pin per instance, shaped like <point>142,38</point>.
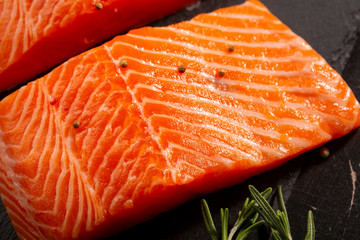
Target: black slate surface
<point>329,187</point>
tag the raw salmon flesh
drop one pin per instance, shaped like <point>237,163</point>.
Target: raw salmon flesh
<point>153,118</point>
<point>36,35</point>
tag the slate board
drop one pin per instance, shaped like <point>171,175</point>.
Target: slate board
<point>326,186</point>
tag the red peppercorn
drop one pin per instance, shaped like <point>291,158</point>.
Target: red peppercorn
<point>53,102</point>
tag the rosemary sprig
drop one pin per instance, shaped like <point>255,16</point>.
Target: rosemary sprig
<point>279,221</point>
<point>247,218</point>
<point>246,221</point>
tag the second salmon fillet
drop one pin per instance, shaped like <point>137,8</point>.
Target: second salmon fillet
<point>158,116</point>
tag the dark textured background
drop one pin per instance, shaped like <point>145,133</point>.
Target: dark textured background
<point>326,186</point>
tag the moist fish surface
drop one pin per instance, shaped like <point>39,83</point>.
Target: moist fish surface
<point>158,116</point>
<point>37,35</point>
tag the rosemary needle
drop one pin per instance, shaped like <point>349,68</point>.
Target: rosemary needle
<point>209,223</point>
<point>247,219</point>
<point>310,235</point>
<point>224,223</point>
<point>268,213</point>
<point>245,223</point>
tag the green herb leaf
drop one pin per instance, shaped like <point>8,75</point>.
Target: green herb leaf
<point>247,218</point>
<point>245,232</point>
<point>267,212</point>
<point>209,223</point>
<point>224,223</point>
<point>247,214</point>
<point>275,234</point>
<point>310,227</point>
<point>282,208</point>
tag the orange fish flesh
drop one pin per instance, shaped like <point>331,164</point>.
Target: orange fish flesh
<point>250,95</point>
<point>37,35</point>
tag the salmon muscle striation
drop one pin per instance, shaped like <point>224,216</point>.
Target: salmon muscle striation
<point>158,116</point>
<point>37,35</point>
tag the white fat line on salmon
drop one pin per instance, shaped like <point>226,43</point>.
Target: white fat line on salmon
<point>233,137</point>
<point>275,135</point>
<point>16,213</point>
<point>33,123</point>
<point>52,168</point>
<point>90,209</point>
<point>35,9</point>
<point>23,232</point>
<point>291,58</point>
<point>275,45</point>
<point>234,95</point>
<point>347,99</point>
<point>19,221</point>
<point>18,102</point>
<point>258,101</point>
<point>27,33</point>
<point>120,196</point>
<point>58,205</point>
<point>330,85</point>
<point>315,112</point>
<point>299,142</point>
<point>138,188</point>
<point>244,98</point>
<point>43,157</point>
<point>270,44</point>
<point>309,74</point>
<point>10,32</point>
<point>56,11</point>
<point>183,177</point>
<point>236,16</point>
<point>120,131</point>
<point>34,24</point>
<point>218,144</point>
<point>78,70</point>
<point>7,31</point>
<point>64,66</point>
<point>68,146</point>
<point>127,73</point>
<point>150,129</point>
<point>17,191</point>
<point>222,66</point>
<point>120,170</point>
<point>49,173</point>
<point>70,198</point>
<point>311,91</point>
<point>81,204</point>
<point>300,124</point>
<point>178,176</point>
<point>241,30</point>
<point>90,136</point>
<point>118,140</point>
<point>236,139</point>
<point>26,106</point>
<point>58,84</point>
<point>215,158</point>
<point>90,101</point>
<point>200,112</point>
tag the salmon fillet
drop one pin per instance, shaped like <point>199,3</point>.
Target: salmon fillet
<point>100,144</point>
<point>36,35</point>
